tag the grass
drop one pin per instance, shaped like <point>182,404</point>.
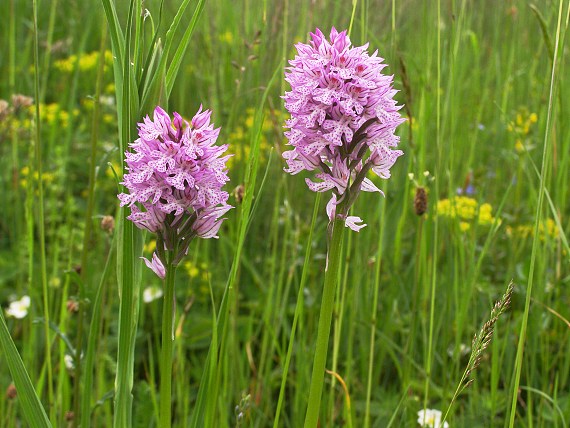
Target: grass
<point>484,90</point>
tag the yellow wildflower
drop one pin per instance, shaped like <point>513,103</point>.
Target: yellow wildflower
<point>546,229</point>
<point>522,128</point>
<point>485,217</point>
<point>150,246</point>
<point>465,209</point>
<point>191,269</point>
<point>226,37</point>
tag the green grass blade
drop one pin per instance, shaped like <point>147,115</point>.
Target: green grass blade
<point>38,149</point>
<point>546,161</point>
<point>298,311</point>
<point>179,54</point>
<point>128,265</point>
<point>117,38</point>
<point>153,89</point>
<point>544,30</point>
<point>152,54</point>
<point>92,343</point>
<point>34,412</point>
<point>550,400</point>
<point>205,391</point>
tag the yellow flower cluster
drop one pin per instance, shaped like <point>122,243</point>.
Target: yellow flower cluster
<point>150,246</point>
<point>466,210</point>
<point>14,125</point>
<point>52,114</point>
<point>199,273</point>
<point>546,229</point>
<point>226,37</point>
<point>85,62</point>
<point>239,138</point>
<point>521,127</point>
<point>47,177</point>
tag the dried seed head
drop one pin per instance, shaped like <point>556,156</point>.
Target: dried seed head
<point>72,306</point>
<point>108,223</point>
<point>420,201</point>
<point>21,101</point>
<point>239,193</point>
<point>69,416</point>
<point>11,392</point>
<point>4,109</point>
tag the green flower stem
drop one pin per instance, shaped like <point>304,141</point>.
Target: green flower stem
<point>41,220</point>
<point>325,317</point>
<point>168,311</point>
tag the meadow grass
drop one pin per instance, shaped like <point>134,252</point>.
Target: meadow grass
<point>487,137</point>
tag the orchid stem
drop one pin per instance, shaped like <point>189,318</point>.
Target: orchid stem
<point>168,312</point>
<point>325,318</point>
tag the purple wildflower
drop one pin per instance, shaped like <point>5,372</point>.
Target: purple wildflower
<point>174,181</point>
<point>343,118</point>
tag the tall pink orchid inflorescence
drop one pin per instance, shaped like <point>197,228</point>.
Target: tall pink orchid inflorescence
<point>175,177</point>
<point>343,118</point>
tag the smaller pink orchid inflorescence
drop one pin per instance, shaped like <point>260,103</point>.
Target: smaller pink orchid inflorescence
<point>343,119</point>
<point>175,177</point>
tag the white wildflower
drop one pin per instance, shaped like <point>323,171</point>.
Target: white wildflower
<point>69,363</point>
<point>431,418</point>
<point>19,308</point>
<point>151,293</point>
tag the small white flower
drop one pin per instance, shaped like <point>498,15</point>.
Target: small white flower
<point>426,173</point>
<point>151,293</point>
<point>431,418</point>
<point>19,308</point>
<point>411,176</point>
<point>68,361</point>
<point>463,350</point>
<point>107,100</point>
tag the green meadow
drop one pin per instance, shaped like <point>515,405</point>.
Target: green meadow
<point>479,200</point>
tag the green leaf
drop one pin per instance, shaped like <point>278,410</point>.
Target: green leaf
<point>544,30</point>
<point>151,90</point>
<point>178,55</point>
<point>33,411</point>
